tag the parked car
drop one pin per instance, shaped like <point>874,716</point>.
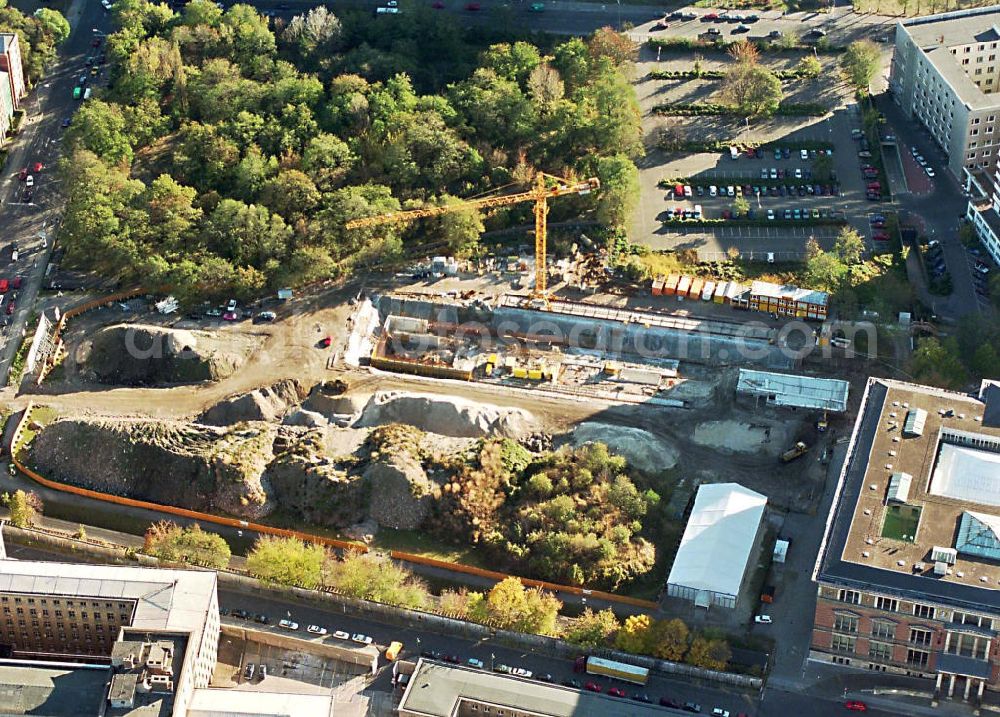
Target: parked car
<point>545,677</point>
<point>262,619</point>
<point>719,712</point>
<point>521,672</point>
<point>641,697</point>
<point>266,316</point>
<point>691,707</point>
<point>361,639</point>
<point>667,702</point>
<point>288,625</point>
<point>316,630</point>
<point>592,687</point>
<point>502,669</point>
<point>474,662</point>
<point>262,673</point>
<point>241,614</point>
<point>856,706</point>
<point>762,619</point>
<point>341,635</point>
<point>248,672</point>
<point>616,692</point>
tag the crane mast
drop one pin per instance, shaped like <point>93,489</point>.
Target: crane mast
<point>545,186</point>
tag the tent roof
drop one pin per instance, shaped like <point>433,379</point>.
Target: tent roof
<point>718,538</point>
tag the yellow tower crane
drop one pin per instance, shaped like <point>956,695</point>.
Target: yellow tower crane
<point>545,187</point>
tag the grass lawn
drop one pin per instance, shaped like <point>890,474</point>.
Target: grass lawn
<point>900,522</point>
<point>40,414</point>
<point>418,543</point>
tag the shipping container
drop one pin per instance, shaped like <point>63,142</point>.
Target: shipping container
<point>658,286</point>
<point>720,292</point>
<point>696,286</point>
<point>706,293</point>
<point>683,284</point>
<point>670,285</point>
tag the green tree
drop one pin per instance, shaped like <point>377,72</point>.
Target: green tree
<point>809,66</point>
<point>510,605</point>
<point>366,576</point>
<point>592,629</point>
<point>741,206</point>
<point>849,246</point>
<point>708,653</point>
<point>103,129</point>
<point>860,63</point>
<point>937,363</point>
<point>670,639</point>
<point>287,561</point>
<point>24,507</point>
<point>169,542</point>
<point>619,193</point>
<point>824,271</point>
<point>318,30</point>
<point>636,635</point>
<point>754,90</point>
<point>986,362</point>
<point>54,23</point>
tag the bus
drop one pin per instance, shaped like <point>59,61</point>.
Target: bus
<point>610,668</point>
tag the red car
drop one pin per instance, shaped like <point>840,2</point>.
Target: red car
<point>710,17</point>
<point>856,706</point>
<point>16,283</point>
<point>325,343</point>
<point>592,686</point>
<point>230,316</point>
<point>616,692</point>
<point>37,167</point>
<point>23,174</point>
<point>882,236</point>
<point>10,308</point>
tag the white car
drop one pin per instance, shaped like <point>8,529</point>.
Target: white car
<point>929,171</point>
<point>730,191</point>
<point>341,635</point>
<point>713,191</point>
<point>803,154</point>
<point>770,214</point>
<point>798,173</point>
<point>288,625</point>
<point>29,181</point>
<point>687,190</point>
<point>473,662</point>
<point>719,712</point>
<point>920,159</point>
<point>231,306</point>
<point>87,93</point>
<point>361,639</point>
<point>520,672</point>
<point>763,620</point>
<point>316,630</point>
<point>106,4</point>
<point>774,173</point>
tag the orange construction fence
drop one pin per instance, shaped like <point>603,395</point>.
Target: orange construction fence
<point>308,537</point>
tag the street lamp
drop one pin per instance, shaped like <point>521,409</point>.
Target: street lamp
<point>492,657</point>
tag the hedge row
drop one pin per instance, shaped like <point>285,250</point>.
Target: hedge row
<point>702,109</point>
<point>723,145</point>
<point>689,43</point>
<point>719,74</point>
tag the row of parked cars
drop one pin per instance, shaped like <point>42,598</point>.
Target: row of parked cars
<point>683,214</point>
<point>293,626</point>
<point>928,169</point>
<point>980,273</point>
<point>686,191</point>
<point>780,153</point>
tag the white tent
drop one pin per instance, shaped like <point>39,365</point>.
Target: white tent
<point>717,544</point>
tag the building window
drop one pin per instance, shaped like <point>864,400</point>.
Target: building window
<point>965,61</point>
<point>923,611</point>
<point>917,658</point>
<point>920,636</point>
<point>845,623</point>
<point>966,618</point>
<point>842,643</point>
<point>850,596</point>
<point>884,629</point>
<point>884,603</point>
<point>880,650</point>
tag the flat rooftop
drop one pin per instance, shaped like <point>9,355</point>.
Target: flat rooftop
<point>435,688</point>
<point>937,34</point>
<point>52,689</point>
<point>783,389</point>
<point>872,542</point>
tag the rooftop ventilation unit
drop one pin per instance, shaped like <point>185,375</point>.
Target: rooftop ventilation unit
<point>944,555</point>
<point>940,569</point>
<point>914,424</point>
<point>899,488</point>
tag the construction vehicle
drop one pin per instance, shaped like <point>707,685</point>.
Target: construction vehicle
<point>822,424</point>
<point>545,187</point>
<point>794,452</point>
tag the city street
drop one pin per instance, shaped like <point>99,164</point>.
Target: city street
<point>30,227</point>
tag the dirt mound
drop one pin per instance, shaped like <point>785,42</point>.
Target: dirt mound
<point>142,355</point>
<point>641,448</point>
<point>737,436</point>
<point>270,403</point>
<point>302,417</point>
<point>446,415</point>
<point>172,462</point>
<point>400,494</point>
<point>308,481</point>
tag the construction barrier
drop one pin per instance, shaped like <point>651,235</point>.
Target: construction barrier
<point>528,582</point>
<point>308,537</point>
<point>170,509</point>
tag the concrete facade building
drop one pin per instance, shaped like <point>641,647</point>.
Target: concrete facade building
<point>160,625</point>
<point>10,62</point>
<point>945,74</point>
<point>909,581</point>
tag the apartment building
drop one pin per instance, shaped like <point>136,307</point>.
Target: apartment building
<point>10,62</point>
<point>945,74</point>
<point>909,570</point>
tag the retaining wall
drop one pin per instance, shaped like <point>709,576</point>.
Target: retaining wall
<point>366,657</point>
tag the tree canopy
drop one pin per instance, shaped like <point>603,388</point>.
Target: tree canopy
<point>38,35</point>
<point>860,63</point>
<point>227,154</point>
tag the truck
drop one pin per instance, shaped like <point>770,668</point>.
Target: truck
<point>610,668</point>
<point>794,452</point>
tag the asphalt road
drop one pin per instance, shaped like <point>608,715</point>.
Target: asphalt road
<point>777,703</point>
<point>30,226</point>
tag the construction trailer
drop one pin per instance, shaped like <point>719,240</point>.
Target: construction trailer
<point>788,300</point>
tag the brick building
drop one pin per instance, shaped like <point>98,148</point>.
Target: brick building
<point>909,570</point>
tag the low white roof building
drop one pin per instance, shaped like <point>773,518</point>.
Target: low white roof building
<point>717,543</point>
<point>789,390</point>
